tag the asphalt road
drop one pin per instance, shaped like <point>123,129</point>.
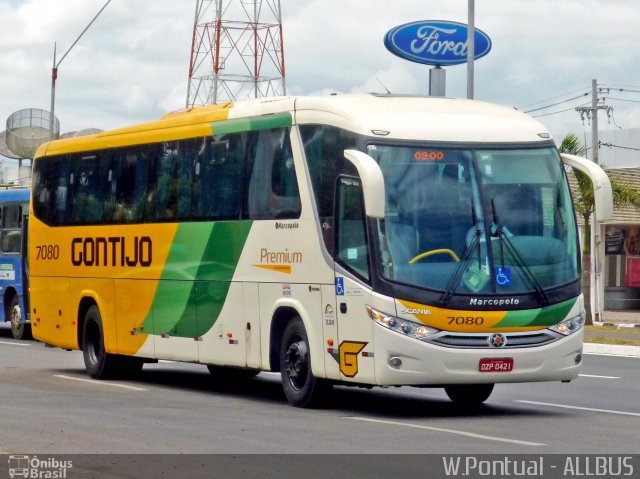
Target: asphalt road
<point>49,405</point>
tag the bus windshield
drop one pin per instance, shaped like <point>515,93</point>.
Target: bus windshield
<point>473,221</point>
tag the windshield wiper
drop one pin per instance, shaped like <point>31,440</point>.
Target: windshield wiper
<point>504,238</point>
<point>454,281</point>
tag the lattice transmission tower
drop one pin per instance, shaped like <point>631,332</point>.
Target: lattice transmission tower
<point>237,51</point>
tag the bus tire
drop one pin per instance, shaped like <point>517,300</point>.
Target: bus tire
<point>300,387</point>
<point>99,363</point>
<point>469,395</point>
<point>19,329</point>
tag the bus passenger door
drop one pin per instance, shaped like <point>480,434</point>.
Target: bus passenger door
<point>355,331</point>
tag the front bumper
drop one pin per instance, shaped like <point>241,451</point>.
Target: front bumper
<point>423,364</point>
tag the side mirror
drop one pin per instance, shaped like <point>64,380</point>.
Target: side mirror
<point>602,194</point>
<point>372,182</point>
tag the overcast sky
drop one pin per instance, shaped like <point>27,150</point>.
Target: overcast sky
<point>132,64</point>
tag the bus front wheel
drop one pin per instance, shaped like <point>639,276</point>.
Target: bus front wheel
<point>300,386</point>
<point>19,329</point>
<point>469,395</point>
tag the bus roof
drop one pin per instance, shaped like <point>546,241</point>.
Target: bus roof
<point>437,119</point>
<point>403,117</point>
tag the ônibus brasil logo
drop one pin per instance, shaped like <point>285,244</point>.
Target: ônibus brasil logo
<point>35,468</point>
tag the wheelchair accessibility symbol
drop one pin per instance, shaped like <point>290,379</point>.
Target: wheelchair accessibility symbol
<point>339,286</point>
<point>503,276</point>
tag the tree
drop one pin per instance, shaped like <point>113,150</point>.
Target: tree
<point>584,203</point>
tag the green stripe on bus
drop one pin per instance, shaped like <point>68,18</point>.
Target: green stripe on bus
<point>196,278</point>
<point>276,120</point>
<point>546,316</point>
<point>174,289</point>
<point>217,267</point>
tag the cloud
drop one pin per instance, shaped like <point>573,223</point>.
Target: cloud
<point>132,64</point>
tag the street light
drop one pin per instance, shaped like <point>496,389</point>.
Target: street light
<point>54,69</point>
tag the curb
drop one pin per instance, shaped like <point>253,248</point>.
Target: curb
<point>617,325</point>
<point>611,350</point>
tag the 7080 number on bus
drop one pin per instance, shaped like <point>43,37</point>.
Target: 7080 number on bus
<point>468,320</point>
<point>47,251</point>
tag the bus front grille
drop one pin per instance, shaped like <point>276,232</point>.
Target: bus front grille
<point>483,340</point>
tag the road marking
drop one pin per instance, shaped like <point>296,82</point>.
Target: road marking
<point>566,406</point>
<point>599,377</point>
<point>15,344</point>
<point>450,431</point>
<point>101,383</point>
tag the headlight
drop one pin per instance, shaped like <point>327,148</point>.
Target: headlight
<point>402,326</point>
<point>569,326</point>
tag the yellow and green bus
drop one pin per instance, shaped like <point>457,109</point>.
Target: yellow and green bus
<point>365,240</point>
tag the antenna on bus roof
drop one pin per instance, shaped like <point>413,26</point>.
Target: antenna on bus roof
<point>388,91</point>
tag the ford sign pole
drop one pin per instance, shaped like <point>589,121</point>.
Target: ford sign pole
<point>470,49</point>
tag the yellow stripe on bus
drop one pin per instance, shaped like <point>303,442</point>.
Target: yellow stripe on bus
<point>467,321</point>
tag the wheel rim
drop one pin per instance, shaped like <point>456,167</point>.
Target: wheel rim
<point>296,363</point>
<point>16,318</point>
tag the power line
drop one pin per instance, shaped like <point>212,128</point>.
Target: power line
<point>617,146</point>
<point>621,86</point>
<point>550,99</point>
<point>558,103</point>
<point>617,90</point>
<point>619,99</point>
<point>559,111</point>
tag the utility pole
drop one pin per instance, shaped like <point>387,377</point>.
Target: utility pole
<point>591,113</point>
<point>595,235</point>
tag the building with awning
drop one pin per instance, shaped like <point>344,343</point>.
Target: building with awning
<point>615,271</point>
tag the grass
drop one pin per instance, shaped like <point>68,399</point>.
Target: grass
<point>612,335</point>
<point>613,329</point>
<point>616,341</point>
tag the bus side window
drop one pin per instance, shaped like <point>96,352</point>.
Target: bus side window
<point>88,186</point>
<point>50,184</point>
<point>173,182</point>
<point>324,152</point>
<point>11,241</point>
<point>272,184</point>
<point>11,234</point>
<point>218,182</point>
<point>129,172</point>
<point>351,233</point>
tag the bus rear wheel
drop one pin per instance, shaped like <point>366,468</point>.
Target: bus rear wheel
<point>99,363</point>
<point>469,395</point>
<point>19,329</point>
<point>300,386</point>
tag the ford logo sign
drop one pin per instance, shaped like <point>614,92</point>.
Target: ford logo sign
<point>435,42</point>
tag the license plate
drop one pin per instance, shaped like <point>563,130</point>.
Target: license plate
<point>496,365</point>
